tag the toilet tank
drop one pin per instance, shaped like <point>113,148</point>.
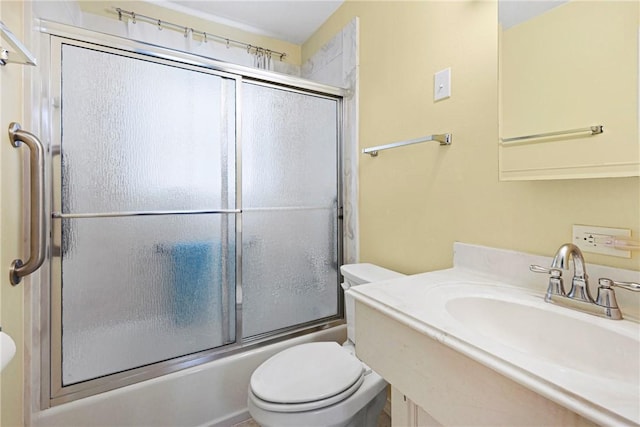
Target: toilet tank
<point>359,274</point>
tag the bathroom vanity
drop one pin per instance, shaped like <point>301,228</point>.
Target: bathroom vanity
<point>477,345</point>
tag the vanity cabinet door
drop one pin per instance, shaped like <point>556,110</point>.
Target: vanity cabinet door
<point>569,68</point>
<point>405,413</point>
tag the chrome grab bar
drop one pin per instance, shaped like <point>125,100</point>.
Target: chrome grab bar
<point>443,139</point>
<point>595,130</point>
<point>37,238</point>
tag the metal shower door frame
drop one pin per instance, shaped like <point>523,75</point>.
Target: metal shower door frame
<point>56,388</point>
<point>51,390</point>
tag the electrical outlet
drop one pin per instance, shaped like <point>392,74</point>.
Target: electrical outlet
<point>594,239</point>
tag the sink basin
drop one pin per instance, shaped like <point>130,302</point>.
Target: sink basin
<point>584,343</point>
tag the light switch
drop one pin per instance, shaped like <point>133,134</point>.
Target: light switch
<point>442,84</point>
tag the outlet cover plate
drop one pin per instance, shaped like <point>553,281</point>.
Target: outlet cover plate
<point>590,238</point>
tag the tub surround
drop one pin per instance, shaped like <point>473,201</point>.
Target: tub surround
<point>455,375</point>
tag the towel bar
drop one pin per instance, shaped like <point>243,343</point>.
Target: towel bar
<point>595,130</point>
<point>443,139</point>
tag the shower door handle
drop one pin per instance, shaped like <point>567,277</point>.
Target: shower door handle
<point>37,239</point>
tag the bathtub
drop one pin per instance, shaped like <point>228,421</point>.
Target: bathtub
<point>211,394</point>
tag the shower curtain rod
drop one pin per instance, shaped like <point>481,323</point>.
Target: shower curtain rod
<point>203,34</point>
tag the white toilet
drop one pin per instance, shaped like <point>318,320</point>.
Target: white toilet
<point>321,384</point>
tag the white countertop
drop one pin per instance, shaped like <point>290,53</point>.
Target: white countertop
<point>599,386</point>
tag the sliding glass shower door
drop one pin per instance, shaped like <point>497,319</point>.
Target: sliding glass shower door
<point>145,215</point>
<point>195,211</point>
<point>290,208</point>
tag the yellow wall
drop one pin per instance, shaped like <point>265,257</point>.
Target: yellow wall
<point>105,8</point>
<point>416,201</point>
<point>11,298</point>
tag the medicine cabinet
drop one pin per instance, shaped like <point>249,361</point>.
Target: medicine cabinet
<point>563,72</point>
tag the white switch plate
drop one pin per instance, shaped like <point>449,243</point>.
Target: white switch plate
<point>442,84</point>
<point>592,239</point>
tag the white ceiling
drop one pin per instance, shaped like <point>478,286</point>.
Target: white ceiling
<point>513,12</point>
<point>296,20</point>
<point>291,20</point>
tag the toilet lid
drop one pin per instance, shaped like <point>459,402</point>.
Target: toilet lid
<point>306,373</point>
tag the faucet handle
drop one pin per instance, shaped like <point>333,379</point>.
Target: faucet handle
<point>607,297</point>
<point>608,284</point>
<point>554,272</point>
<point>556,286</point>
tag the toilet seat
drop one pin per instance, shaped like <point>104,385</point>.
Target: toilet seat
<point>307,406</point>
<point>306,377</point>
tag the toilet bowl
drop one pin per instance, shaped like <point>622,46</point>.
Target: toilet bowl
<point>321,384</point>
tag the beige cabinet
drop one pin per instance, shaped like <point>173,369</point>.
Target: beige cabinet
<point>405,413</point>
<point>433,384</point>
<point>572,67</point>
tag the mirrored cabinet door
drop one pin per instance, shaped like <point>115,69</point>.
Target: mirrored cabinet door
<point>564,71</point>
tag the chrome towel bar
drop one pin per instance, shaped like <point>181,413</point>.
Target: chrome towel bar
<point>595,130</point>
<point>123,214</point>
<point>142,213</point>
<point>37,238</point>
<point>443,139</point>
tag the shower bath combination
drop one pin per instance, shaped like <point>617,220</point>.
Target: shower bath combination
<point>193,208</point>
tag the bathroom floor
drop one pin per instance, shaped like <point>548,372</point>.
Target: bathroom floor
<point>383,421</point>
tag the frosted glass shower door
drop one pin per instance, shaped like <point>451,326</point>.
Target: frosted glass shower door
<point>290,199</point>
<point>145,212</point>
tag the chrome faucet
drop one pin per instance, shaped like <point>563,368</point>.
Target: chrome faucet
<point>580,282</point>
<point>579,296</point>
